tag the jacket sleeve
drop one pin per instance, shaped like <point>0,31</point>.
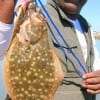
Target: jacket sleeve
<point>96,65</point>
<point>5,37</point>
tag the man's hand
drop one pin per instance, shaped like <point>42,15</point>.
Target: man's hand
<point>92,82</point>
<point>23,3</point>
<point>7,10</point>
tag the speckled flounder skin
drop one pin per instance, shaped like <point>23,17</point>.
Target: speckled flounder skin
<point>31,69</point>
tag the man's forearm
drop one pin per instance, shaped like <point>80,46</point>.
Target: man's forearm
<point>6,24</point>
<point>7,11</point>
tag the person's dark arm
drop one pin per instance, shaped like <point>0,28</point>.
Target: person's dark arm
<point>7,11</point>
<point>6,24</point>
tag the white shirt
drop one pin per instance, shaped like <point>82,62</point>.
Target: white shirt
<point>83,44</point>
<point>5,37</point>
<point>81,37</point>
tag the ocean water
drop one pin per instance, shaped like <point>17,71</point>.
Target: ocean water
<point>3,91</point>
<point>98,45</point>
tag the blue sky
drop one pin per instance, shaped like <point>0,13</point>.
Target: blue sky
<point>91,11</point>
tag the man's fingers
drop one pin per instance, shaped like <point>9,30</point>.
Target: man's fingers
<point>92,86</point>
<point>93,91</point>
<point>95,80</point>
<point>92,74</point>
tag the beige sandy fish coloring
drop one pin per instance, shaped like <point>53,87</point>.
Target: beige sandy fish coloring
<point>31,69</point>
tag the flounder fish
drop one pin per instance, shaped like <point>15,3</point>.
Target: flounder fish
<point>31,69</point>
